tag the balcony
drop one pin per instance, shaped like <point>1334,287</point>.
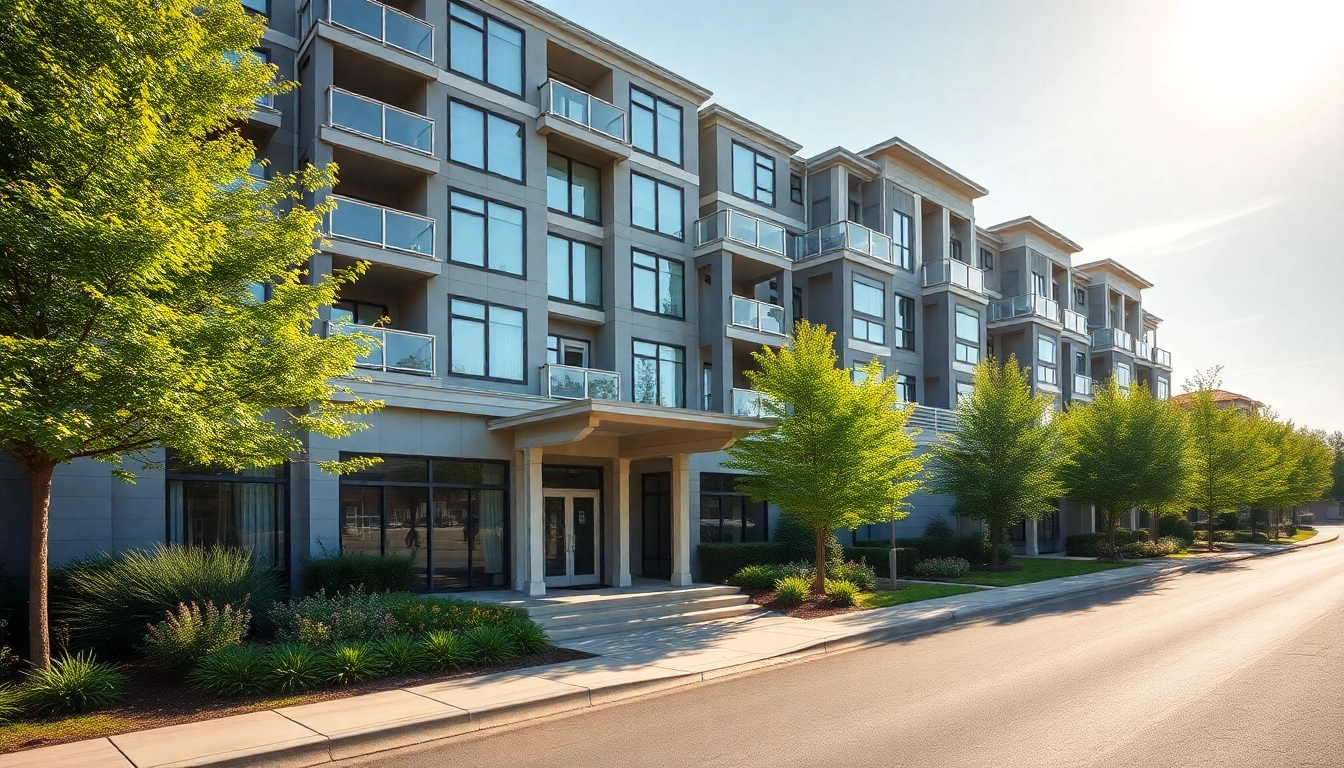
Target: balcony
<point>1161,356</point>
<point>381,122</point>
<point>584,118</point>
<point>844,235</point>
<point>398,351</point>
<point>1074,322</point>
<point>1030,305</point>
<point>932,421</point>
<point>374,20</point>
<point>1082,385</point>
<point>1112,337</point>
<point>758,316</point>
<point>570,382</point>
<point>953,272</point>
<point>749,402</point>
<point>1141,349</point>
<point>381,227</point>
<point>740,228</point>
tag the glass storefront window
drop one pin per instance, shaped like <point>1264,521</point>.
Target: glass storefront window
<point>244,510</point>
<point>727,514</point>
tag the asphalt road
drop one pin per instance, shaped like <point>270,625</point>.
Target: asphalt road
<point>1243,666</point>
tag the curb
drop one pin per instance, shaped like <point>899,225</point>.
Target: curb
<point>307,746</point>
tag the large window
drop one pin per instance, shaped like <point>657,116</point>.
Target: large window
<point>965,389</point>
<point>1163,389</point>
<point>869,321</point>
<point>905,322</point>
<point>660,374</point>
<point>244,510</point>
<point>905,388</point>
<point>903,240</point>
<point>659,285</point>
<point>656,206</point>
<point>729,515</point>
<point>357,312</point>
<point>1046,360</point>
<point>753,175</point>
<point>486,340</point>
<point>1124,376</point>
<point>485,140</point>
<point>1080,363</point>
<point>655,126</point>
<point>485,48</point>
<point>449,516</point>
<point>1038,284</point>
<point>573,271</point>
<point>484,233</point>
<point>968,336</point>
<point>573,188</point>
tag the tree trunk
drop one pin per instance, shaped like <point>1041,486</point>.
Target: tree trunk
<point>994,534</point>
<point>1157,533</point>
<point>819,580</point>
<point>39,640</point>
<point>1112,520</point>
<point>1210,516</point>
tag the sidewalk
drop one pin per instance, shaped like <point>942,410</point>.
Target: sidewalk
<point>628,665</point>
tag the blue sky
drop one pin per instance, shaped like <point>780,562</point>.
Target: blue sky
<point>1199,143</point>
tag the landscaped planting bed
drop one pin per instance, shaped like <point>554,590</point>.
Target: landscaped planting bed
<point>849,587</point>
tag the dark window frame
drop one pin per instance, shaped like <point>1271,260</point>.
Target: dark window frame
<point>905,323</point>
<point>569,187</point>
<point>903,252</point>
<point>601,302</point>
<point>795,190</point>
<point>485,267</point>
<point>485,142</point>
<point>635,357</point>
<point>355,313</point>
<point>986,259</point>
<point>757,155</point>
<point>283,552</point>
<point>879,321</point>
<point>485,49</point>
<point>452,300</point>
<point>657,278</point>
<point>657,137</point>
<point>764,507</point>
<point>266,3</point>
<point>658,186</point>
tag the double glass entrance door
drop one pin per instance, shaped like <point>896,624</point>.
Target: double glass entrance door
<point>569,522</point>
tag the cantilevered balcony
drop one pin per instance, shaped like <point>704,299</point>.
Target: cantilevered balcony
<point>398,351</point>
<point>381,122</point>
<point>740,228</point>
<point>1030,305</point>
<point>758,316</point>
<point>749,402</point>
<point>1161,357</point>
<point>1074,321</point>
<point>931,421</point>
<point>570,382</point>
<point>583,117</point>
<point>368,18</point>
<point>381,227</point>
<point>953,272</point>
<point>1082,385</point>
<point>843,235</point>
<point>1112,337</point>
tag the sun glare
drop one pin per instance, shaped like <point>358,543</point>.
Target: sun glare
<point>1252,52</point>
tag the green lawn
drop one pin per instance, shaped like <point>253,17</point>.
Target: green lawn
<point>910,594</point>
<point>1037,569</point>
<point>1301,535</point>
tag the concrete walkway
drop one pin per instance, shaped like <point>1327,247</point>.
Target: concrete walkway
<point>629,665</point>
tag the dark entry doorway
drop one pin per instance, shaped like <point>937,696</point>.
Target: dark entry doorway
<point>657,525</point>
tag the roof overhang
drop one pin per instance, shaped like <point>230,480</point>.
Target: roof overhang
<point>904,153</point>
<point>717,114</point>
<point>1032,225</point>
<point>1113,267</point>
<point>859,166</point>
<point>627,430</point>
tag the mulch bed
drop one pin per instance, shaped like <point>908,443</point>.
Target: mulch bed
<point>812,608</point>
<point>155,698</point>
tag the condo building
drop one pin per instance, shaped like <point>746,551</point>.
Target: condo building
<point>571,256</point>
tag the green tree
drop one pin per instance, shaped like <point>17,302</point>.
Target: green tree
<point>1310,475</point>
<point>1001,463</point>
<point>130,243</point>
<point>1124,450</point>
<point>1224,451</point>
<point>1336,444</point>
<point>837,455</point>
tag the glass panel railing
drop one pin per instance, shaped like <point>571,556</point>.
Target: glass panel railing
<point>758,315</point>
<point>931,421</point>
<point>1161,356</point>
<point>1082,385</point>
<point>384,227</point>
<point>954,272</point>
<point>583,108</point>
<point>1074,321</point>
<point>843,234</point>
<point>749,402</point>
<point>380,121</point>
<point>400,351</point>
<point>1141,349</point>
<point>1020,306</point>
<point>373,19</point>
<point>408,129</point>
<point>570,382</point>
<point>741,228</point>
<point>1112,337</point>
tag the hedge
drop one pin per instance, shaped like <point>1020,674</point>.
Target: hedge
<point>906,557</point>
<point>720,560</point>
<point>1094,544</point>
<point>344,571</point>
<point>973,548</point>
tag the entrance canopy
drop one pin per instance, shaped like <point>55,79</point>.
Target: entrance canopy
<point>626,430</point>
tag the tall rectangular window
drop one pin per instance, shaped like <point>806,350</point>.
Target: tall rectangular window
<point>655,126</point>
<point>954,248</point>
<point>986,259</point>
<point>485,49</point>
<point>1163,389</point>
<point>485,140</point>
<point>869,321</point>
<point>753,175</point>
<point>968,336</point>
<point>905,322</point>
<point>727,514</point>
<point>965,389</point>
<point>486,340</point>
<point>574,271</point>
<point>1038,284</point>
<point>903,240</point>
<point>1124,376</point>
<point>1080,363</point>
<point>1079,297</point>
<point>659,284</point>
<point>1046,360</point>
<point>244,510</point>
<point>795,188</point>
<point>905,388</point>
<point>660,374</point>
<point>484,233</point>
<point>573,188</point>
<point>656,206</point>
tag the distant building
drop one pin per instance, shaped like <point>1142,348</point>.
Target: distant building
<point>1226,399</point>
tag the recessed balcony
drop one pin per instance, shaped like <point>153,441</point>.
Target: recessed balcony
<point>1142,349</point>
<point>930,421</point>
<point>953,272</point>
<point>380,122</point>
<point>1112,337</point>
<point>759,316</point>
<point>375,233</point>
<point>843,235</point>
<point>740,228</point>
<point>381,23</point>
<point>1030,305</point>
<point>583,117</point>
<point>1161,357</point>
<point>396,351</point>
<point>749,402</point>
<point>571,382</point>
<point>1074,322</point>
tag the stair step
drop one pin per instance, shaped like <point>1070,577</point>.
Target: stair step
<point>557,603</point>
<point>601,614</point>
<point>561,634</point>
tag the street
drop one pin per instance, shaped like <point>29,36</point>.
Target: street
<point>1240,666</point>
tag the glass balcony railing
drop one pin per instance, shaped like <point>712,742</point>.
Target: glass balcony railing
<point>570,382</point>
<point>372,19</point>
<point>1141,348</point>
<point>583,108</point>
<point>749,402</point>
<point>1161,356</point>
<point>1082,385</point>
<point>400,351</point>
<point>1073,321</point>
<point>379,121</point>
<point>739,227</point>
<point>1112,337</point>
<point>383,227</point>
<point>842,235</point>
<point>1022,306</point>
<point>957,273</point>
<point>758,315</point>
<point>931,421</point>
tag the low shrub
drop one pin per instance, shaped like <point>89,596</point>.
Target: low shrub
<point>1176,524</point>
<point>719,560</point>
<point>802,569</point>
<point>11,705</point>
<point>943,567</point>
<point>755,577</point>
<point>876,557</point>
<point>422,613</point>
<point>1203,535</point>
<point>71,684</point>
<point>841,592</point>
<point>1306,519</point>
<point>1167,545</point>
<point>1289,528</point>
<point>108,600</point>
<point>973,548</point>
<point>801,541</point>
<point>939,528</point>
<point>294,666</point>
<point>231,671</point>
<point>8,660</point>
<point>401,654</point>
<point>1094,544</point>
<point>346,571</point>
<point>860,574</point>
<point>528,636</point>
<point>1228,521</point>
<point>315,621</point>
<point>353,663</point>
<point>792,590</point>
<point>179,642</point>
<point>446,650</point>
<point>491,644</point>
<point>1305,527</point>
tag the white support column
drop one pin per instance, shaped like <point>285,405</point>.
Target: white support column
<point>1032,538</point>
<point>681,519</point>
<point>1089,519</point>
<point>533,533</point>
<point>620,558</point>
<point>1133,519</point>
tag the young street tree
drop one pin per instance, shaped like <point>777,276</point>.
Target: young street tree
<point>1125,450</point>
<point>838,455</point>
<point>1223,451</point>
<point>1300,471</point>
<point>129,248</point>
<point>1001,463</point>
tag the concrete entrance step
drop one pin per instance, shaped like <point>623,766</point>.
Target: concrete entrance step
<point>558,602</point>
<point>599,626</point>
<point>627,612</point>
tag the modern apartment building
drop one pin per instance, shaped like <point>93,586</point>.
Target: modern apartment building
<point>571,258</point>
